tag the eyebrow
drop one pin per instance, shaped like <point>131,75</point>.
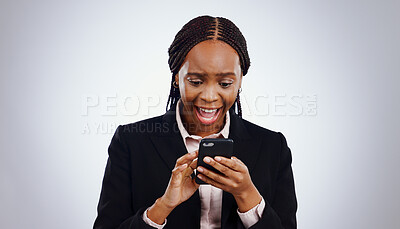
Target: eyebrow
<point>222,74</point>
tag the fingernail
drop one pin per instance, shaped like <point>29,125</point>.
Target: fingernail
<point>207,160</point>
<point>218,158</point>
<point>200,169</point>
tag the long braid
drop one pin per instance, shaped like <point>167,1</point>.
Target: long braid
<point>200,29</point>
<point>239,105</point>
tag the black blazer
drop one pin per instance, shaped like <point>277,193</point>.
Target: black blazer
<point>142,155</point>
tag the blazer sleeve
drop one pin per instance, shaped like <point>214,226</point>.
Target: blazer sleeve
<point>115,205</point>
<point>281,212</point>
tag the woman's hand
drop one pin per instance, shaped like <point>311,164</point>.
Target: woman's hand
<point>181,187</point>
<point>235,179</point>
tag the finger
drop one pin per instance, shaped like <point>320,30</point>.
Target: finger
<point>210,181</point>
<point>218,166</point>
<point>214,176</point>
<point>179,169</point>
<point>193,164</point>
<point>191,167</point>
<point>237,159</point>
<point>186,158</point>
<point>176,176</point>
<point>230,163</point>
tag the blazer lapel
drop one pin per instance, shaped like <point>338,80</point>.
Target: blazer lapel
<point>168,140</point>
<point>246,148</point>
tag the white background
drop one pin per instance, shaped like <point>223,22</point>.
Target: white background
<point>58,57</point>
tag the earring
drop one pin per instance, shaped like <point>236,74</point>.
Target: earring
<point>175,84</point>
<point>240,90</point>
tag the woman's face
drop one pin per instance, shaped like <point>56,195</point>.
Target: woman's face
<point>208,80</point>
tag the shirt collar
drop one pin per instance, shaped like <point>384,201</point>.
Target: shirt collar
<point>224,132</point>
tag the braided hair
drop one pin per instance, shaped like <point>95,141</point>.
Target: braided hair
<point>200,29</point>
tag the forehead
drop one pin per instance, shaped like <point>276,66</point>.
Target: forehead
<point>213,56</point>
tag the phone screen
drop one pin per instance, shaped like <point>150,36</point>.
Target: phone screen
<point>213,147</point>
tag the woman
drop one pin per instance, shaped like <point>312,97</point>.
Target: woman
<point>149,182</point>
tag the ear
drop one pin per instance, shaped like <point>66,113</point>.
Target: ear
<point>177,78</point>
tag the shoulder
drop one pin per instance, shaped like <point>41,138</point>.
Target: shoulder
<point>273,144</point>
<point>140,132</point>
<point>262,133</point>
<point>256,130</point>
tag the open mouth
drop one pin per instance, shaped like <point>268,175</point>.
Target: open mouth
<point>207,116</point>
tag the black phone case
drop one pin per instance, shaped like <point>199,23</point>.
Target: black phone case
<point>213,147</point>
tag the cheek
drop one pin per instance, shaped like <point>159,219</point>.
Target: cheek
<point>234,93</point>
<point>188,94</point>
<point>230,96</point>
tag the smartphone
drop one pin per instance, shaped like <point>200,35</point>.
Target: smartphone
<point>213,147</point>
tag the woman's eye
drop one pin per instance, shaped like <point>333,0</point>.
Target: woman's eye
<point>225,85</point>
<point>195,82</point>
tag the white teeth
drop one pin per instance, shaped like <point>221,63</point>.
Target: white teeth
<point>208,110</point>
<point>208,119</point>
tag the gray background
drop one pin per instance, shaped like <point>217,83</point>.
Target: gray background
<point>59,57</point>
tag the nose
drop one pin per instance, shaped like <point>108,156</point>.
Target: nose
<point>209,94</point>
